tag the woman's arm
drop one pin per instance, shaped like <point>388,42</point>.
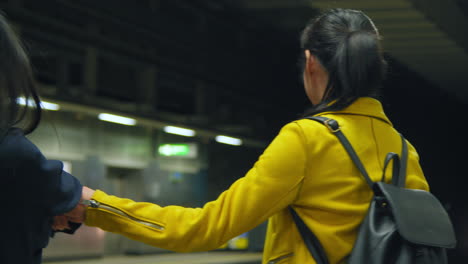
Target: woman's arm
<point>44,181</point>
<point>270,186</point>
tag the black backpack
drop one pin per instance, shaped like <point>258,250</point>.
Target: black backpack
<point>402,226</point>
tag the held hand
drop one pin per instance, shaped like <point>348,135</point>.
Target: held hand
<point>87,193</point>
<point>78,215</point>
<point>60,223</point>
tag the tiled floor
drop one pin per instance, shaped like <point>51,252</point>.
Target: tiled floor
<point>174,258</point>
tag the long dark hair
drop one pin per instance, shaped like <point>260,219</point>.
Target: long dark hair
<point>347,44</point>
<point>16,84</point>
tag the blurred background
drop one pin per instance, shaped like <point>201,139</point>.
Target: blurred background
<point>139,93</point>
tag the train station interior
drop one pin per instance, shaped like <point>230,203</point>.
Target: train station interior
<point>172,101</point>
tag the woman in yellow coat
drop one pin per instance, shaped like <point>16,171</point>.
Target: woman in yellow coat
<point>305,166</point>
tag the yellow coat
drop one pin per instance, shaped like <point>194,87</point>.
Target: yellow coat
<point>304,166</point>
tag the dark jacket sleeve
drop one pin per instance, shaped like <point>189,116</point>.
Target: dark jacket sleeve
<point>45,181</point>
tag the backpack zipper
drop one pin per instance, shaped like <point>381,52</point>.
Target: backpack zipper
<point>96,204</point>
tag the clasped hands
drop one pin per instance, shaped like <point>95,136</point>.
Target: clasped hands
<point>77,215</point>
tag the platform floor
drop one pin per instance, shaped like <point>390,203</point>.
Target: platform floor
<point>173,258</point>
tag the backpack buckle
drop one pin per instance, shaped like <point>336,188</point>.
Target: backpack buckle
<point>332,125</point>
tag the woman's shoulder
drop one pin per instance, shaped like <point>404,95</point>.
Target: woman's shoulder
<point>306,125</point>
<point>309,130</point>
<point>305,128</point>
<point>16,146</point>
<point>13,136</point>
<point>14,132</point>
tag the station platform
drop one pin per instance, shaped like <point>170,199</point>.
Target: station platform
<point>173,258</point>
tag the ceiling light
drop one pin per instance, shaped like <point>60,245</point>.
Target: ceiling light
<point>117,119</point>
<point>44,104</point>
<point>179,131</point>
<point>228,140</point>
<point>50,106</point>
<point>22,101</point>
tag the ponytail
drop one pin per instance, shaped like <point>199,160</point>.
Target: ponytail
<point>358,64</point>
<point>348,45</point>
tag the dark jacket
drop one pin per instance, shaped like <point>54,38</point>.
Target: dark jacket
<point>33,190</point>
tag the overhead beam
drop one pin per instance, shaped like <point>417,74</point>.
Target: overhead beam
<point>419,25</point>
<point>325,4</point>
<point>447,16</point>
<point>269,4</point>
<point>429,34</point>
<point>396,14</point>
<point>364,5</point>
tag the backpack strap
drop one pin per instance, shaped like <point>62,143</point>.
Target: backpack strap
<point>334,127</point>
<point>391,156</point>
<point>310,240</point>
<point>400,179</point>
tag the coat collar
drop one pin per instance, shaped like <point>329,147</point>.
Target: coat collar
<point>365,106</point>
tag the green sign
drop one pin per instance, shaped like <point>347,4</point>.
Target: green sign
<point>174,150</point>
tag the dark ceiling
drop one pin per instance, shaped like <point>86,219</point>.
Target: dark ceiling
<point>428,36</point>
<point>227,65</point>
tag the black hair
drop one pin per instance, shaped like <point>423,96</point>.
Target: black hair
<point>17,84</point>
<point>347,44</point>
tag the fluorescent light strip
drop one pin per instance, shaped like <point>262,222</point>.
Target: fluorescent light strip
<point>117,119</point>
<point>179,131</point>
<point>228,140</point>
<point>22,101</point>
<point>44,104</point>
<point>50,106</point>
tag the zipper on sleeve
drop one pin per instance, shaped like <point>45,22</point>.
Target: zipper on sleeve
<point>98,205</point>
<point>278,259</point>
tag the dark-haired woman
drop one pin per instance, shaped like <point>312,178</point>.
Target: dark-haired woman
<point>35,191</point>
<point>305,166</point>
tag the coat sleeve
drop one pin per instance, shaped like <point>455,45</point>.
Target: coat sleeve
<point>45,182</point>
<point>270,186</point>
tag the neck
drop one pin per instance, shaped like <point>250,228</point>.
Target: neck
<point>319,81</point>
